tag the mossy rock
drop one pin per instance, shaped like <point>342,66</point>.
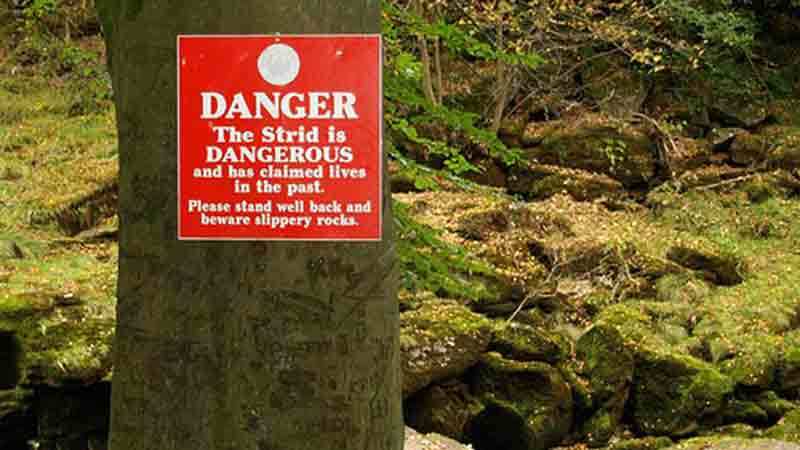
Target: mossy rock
<point>785,150</point>
<point>788,377</point>
<point>643,443</point>
<point>721,139</point>
<point>775,406</point>
<point>529,404</point>
<point>755,362</point>
<point>675,394</point>
<point>687,154</point>
<point>606,362</point>
<point>440,340</point>
<point>596,144</point>
<point>535,181</point>
<point>608,365</point>
<point>724,270</point>
<point>430,441</point>
<point>787,429</point>
<point>58,344</point>
<point>748,149</point>
<point>682,288</point>
<point>522,342</point>
<point>732,443</point>
<point>740,411</point>
<point>444,408</point>
<point>580,185</point>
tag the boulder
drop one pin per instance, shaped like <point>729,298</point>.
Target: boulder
<point>539,181</point>
<point>529,405</point>
<point>440,340</point>
<point>720,269</point>
<point>755,361</point>
<point>54,338</point>
<point>788,375</point>
<point>444,408</point>
<point>522,342</point>
<point>739,411</point>
<point>784,142</point>
<point>748,149</point>
<point>644,443</point>
<point>608,366</point>
<point>432,441</point>
<point>787,429</point>
<point>595,144</point>
<point>687,154</point>
<point>722,138</point>
<point>717,443</point>
<point>773,405</point>
<point>674,394</point>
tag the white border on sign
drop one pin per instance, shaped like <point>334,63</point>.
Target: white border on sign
<point>381,148</point>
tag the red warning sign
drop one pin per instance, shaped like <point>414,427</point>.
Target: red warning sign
<point>279,137</point>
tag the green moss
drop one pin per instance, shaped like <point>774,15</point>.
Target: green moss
<point>773,405</point>
<point>598,145</point>
<point>440,340</point>
<point>432,264</point>
<point>755,360</point>
<point>686,390</point>
<point>605,361</point>
<point>599,429</point>
<point>532,392</point>
<point>526,343</point>
<point>788,429</point>
<point>645,443</point>
<point>682,288</point>
<point>739,411</point>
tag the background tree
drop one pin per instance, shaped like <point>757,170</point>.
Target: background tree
<point>237,345</point>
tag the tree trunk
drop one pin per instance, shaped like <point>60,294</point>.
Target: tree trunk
<point>238,345</point>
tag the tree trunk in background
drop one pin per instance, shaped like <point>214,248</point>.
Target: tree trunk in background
<point>225,346</point>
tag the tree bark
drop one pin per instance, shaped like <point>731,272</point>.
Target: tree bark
<point>238,345</point>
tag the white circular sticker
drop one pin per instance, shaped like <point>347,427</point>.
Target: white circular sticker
<point>279,64</point>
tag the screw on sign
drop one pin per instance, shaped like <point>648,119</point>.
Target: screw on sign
<point>285,143</point>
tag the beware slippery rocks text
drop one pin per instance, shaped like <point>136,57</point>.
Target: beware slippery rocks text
<point>279,137</point>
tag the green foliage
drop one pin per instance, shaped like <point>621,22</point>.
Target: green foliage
<point>615,150</point>
<point>719,25</point>
<point>458,38</point>
<point>431,264</point>
<point>408,112</point>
